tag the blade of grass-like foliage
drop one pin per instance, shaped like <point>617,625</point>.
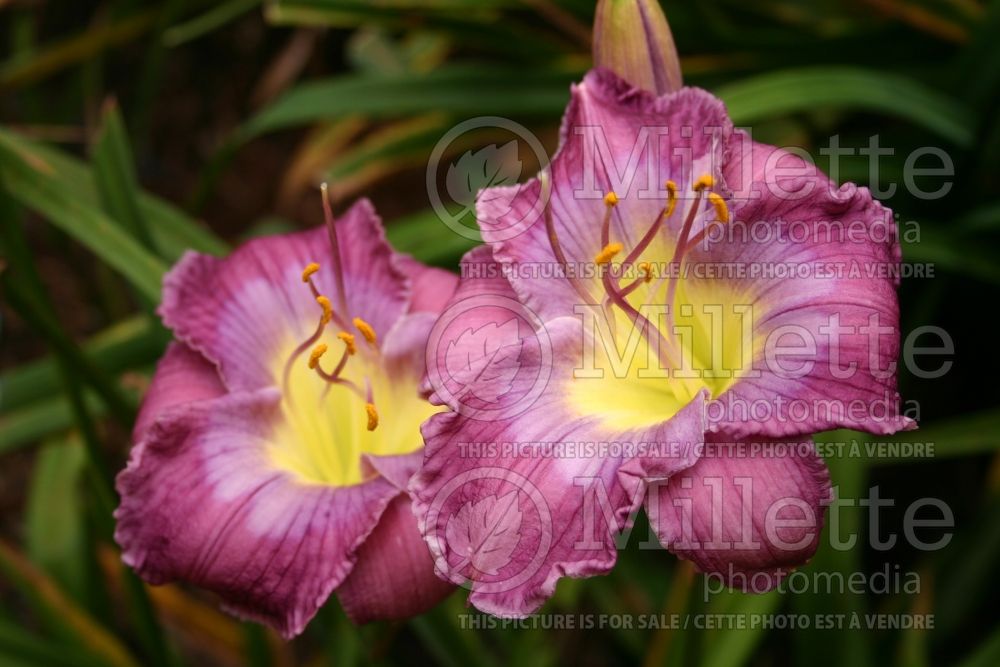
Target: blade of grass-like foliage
<point>984,218</point>
<point>959,593</point>
<point>732,648</point>
<point>795,90</point>
<point>823,647</point>
<point>55,526</point>
<point>20,649</point>
<point>26,294</point>
<point>205,23</point>
<point>457,89</point>
<point>27,425</point>
<point>76,49</point>
<point>172,230</point>
<point>986,654</point>
<point>948,250</point>
<point>28,297</point>
<point>33,187</point>
<point>51,602</point>
<point>450,644</point>
<point>128,344</point>
<point>402,145</point>
<point>115,176</point>
<point>346,13</point>
<point>32,308</point>
<point>968,435</point>
<point>481,27</point>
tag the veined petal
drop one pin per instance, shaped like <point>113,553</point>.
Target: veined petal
<point>182,376</point>
<point>202,503</point>
<point>394,576</point>
<point>243,310</point>
<point>745,508</point>
<point>614,138</point>
<point>508,508</point>
<point>520,486</point>
<point>838,306</point>
<point>431,287</point>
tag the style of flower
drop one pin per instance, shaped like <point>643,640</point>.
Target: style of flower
<point>671,350</point>
<point>279,433</point>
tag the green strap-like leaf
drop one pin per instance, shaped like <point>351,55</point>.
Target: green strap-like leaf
<point>795,90</point>
<point>459,89</point>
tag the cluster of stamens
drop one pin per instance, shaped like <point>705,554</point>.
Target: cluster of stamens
<point>614,292</point>
<point>350,347</point>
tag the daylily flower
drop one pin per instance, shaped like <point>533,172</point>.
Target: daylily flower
<point>275,443</point>
<point>664,354</point>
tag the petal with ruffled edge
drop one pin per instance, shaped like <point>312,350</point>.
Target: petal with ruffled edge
<point>806,375</point>
<point>518,488</point>
<point>616,138</point>
<point>201,503</point>
<point>242,311</point>
<point>182,376</point>
<point>747,512</point>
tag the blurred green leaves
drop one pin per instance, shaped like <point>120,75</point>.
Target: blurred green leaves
<point>462,90</point>
<point>377,85</point>
<point>774,94</point>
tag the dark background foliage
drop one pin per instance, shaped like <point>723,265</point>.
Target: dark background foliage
<point>133,130</point>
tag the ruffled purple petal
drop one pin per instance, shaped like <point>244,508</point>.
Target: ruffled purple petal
<point>431,287</point>
<point>243,310</point>
<point>614,137</point>
<point>511,507</point>
<point>848,380</point>
<point>394,576</point>
<point>397,468</point>
<point>201,503</point>
<point>519,489</point>
<point>182,376</point>
<point>747,511</point>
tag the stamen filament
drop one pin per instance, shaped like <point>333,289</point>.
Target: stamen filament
<point>654,229</point>
<point>335,247</point>
<point>333,379</point>
<point>651,333</point>
<point>296,353</point>
<point>557,251</point>
<point>610,201</point>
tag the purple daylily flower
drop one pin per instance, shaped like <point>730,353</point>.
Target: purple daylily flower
<point>275,444</point>
<point>660,380</point>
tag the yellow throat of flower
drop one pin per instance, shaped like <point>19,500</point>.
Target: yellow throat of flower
<point>657,336</point>
<point>340,401</point>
